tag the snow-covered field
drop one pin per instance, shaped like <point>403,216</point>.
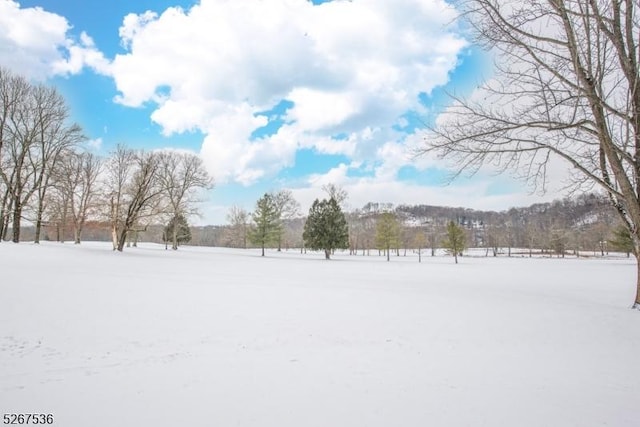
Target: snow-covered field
<point>220,337</point>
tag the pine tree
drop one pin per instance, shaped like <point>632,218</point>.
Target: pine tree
<point>178,229</point>
<point>387,232</point>
<point>326,227</point>
<point>267,222</point>
<point>456,239</point>
<point>622,241</point>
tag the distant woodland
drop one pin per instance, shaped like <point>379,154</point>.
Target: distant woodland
<point>586,223</point>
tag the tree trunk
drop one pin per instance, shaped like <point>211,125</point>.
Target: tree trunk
<point>4,227</point>
<point>63,225</point>
<point>327,254</point>
<point>114,236</point>
<point>122,239</point>
<point>36,239</point>
<point>17,217</point>
<point>263,249</point>
<point>174,238</point>
<point>4,218</point>
<point>455,255</point>
<point>636,303</point>
<point>40,208</point>
<point>244,238</point>
<point>388,251</point>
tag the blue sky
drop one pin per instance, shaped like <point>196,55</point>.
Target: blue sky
<point>279,94</point>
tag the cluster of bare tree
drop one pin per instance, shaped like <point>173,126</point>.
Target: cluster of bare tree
<point>583,223</point>
<point>35,138</point>
<point>47,179</point>
<point>147,187</point>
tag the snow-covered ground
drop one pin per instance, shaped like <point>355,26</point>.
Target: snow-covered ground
<point>220,337</point>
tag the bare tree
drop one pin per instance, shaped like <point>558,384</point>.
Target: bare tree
<point>337,193</point>
<point>567,86</point>
<point>134,192</point>
<point>492,239</point>
<point>19,140</point>
<point>180,175</point>
<point>286,208</point>
<point>356,229</point>
<point>239,220</point>
<point>58,211</point>
<point>120,169</point>
<point>13,91</point>
<point>434,235</point>
<point>419,241</point>
<point>34,131</point>
<point>77,182</point>
<point>53,137</point>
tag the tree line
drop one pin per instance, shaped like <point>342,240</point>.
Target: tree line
<point>48,178</point>
<point>584,223</point>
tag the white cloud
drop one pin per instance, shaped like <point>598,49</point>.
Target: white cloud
<point>228,150</point>
<point>84,54</point>
<point>94,144</point>
<point>132,23</point>
<point>350,68</point>
<point>475,194</point>
<point>30,38</point>
<point>35,43</point>
<point>316,109</point>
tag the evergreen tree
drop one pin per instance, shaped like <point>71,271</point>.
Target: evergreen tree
<point>177,228</point>
<point>622,240</point>
<point>387,232</point>
<point>326,227</point>
<point>455,240</point>
<point>267,222</point>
